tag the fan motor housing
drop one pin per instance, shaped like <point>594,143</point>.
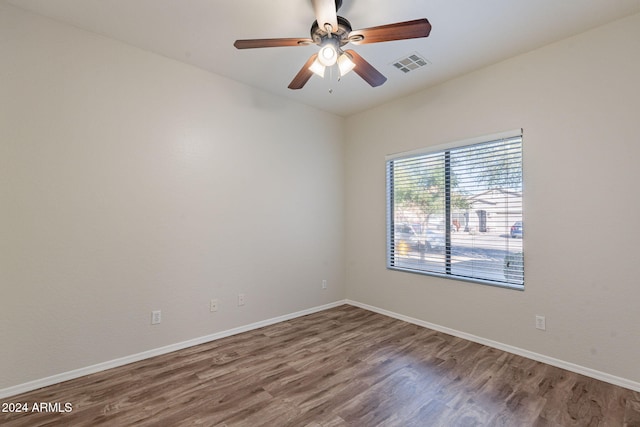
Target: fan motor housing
<point>342,34</point>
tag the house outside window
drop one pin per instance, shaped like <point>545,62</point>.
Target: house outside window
<point>455,211</point>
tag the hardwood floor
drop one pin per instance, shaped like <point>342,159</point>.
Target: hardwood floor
<point>340,367</point>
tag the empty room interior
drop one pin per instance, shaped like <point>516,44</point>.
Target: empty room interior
<point>196,228</point>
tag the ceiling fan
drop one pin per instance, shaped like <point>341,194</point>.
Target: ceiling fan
<point>331,32</point>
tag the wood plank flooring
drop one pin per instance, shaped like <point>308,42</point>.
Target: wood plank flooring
<point>340,367</point>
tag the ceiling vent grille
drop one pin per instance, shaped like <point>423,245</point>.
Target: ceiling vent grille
<point>410,62</point>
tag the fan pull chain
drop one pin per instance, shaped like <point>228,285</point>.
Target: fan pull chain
<point>330,80</point>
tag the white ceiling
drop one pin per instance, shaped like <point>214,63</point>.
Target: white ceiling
<point>466,35</point>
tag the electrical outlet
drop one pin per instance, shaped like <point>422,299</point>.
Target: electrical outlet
<point>156,317</point>
<point>541,323</point>
<point>240,299</point>
<point>324,284</point>
<point>213,305</point>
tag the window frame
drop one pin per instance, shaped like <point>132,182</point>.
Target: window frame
<point>445,150</point>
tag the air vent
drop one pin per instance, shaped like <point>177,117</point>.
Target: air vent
<point>410,63</point>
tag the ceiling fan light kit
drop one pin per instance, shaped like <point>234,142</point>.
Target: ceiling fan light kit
<point>345,64</point>
<point>328,54</point>
<point>332,34</point>
<point>317,68</point>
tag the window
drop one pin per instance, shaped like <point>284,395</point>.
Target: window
<point>457,211</point>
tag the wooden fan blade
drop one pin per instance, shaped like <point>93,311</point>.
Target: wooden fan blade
<point>303,75</point>
<point>365,70</point>
<point>258,43</point>
<point>325,11</point>
<point>398,31</point>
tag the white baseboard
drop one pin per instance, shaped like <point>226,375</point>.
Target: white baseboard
<point>76,373</point>
<point>592,373</point>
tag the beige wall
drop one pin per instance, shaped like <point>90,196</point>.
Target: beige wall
<point>578,102</point>
<point>131,183</point>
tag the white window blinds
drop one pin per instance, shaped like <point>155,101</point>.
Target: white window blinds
<point>457,212</point>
